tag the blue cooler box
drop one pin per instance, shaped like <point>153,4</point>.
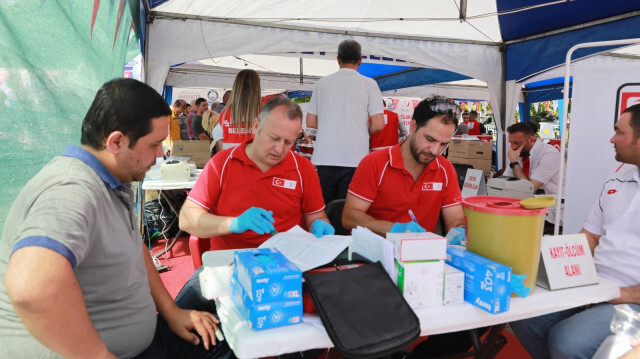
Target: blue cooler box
<point>486,283</point>
<point>267,275</point>
<point>265,315</point>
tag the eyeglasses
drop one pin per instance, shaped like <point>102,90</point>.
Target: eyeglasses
<point>445,107</point>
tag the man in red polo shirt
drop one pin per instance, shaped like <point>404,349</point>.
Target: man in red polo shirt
<point>405,187</point>
<point>247,191</point>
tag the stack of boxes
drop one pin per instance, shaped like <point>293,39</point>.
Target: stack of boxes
<point>266,288</point>
<point>475,153</point>
<point>420,270</point>
<point>486,283</point>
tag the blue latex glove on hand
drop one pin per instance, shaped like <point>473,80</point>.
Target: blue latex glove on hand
<point>406,227</point>
<point>256,219</point>
<point>321,228</point>
<point>456,235</point>
<point>517,285</point>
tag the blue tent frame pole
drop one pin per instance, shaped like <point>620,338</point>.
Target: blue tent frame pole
<point>565,109</point>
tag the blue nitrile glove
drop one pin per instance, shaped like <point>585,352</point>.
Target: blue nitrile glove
<point>321,228</point>
<point>517,285</point>
<point>456,235</point>
<point>406,227</point>
<point>256,219</point>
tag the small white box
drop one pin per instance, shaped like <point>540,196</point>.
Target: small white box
<point>420,282</point>
<point>453,286</point>
<point>410,247</point>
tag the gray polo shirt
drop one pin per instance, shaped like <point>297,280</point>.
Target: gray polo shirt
<point>75,207</point>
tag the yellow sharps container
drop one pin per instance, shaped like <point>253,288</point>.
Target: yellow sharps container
<point>498,228</point>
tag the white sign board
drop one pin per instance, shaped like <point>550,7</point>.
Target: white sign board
<point>474,184</point>
<point>566,261</point>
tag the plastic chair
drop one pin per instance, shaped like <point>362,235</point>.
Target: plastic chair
<point>197,247</point>
<point>334,213</point>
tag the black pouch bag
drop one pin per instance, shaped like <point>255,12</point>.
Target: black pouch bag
<point>363,311</point>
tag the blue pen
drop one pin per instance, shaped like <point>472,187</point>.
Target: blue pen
<point>413,216</point>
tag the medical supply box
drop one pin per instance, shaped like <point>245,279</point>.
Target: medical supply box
<point>486,283</point>
<point>268,314</point>
<point>267,275</point>
<point>453,286</point>
<point>420,282</point>
<point>475,153</point>
<point>418,246</point>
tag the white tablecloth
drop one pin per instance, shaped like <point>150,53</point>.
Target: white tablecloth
<point>249,343</point>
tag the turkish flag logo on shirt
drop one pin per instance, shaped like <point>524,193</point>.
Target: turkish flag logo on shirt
<point>284,183</point>
<point>432,186</point>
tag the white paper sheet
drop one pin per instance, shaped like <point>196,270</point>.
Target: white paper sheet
<point>305,250</point>
<point>374,248</point>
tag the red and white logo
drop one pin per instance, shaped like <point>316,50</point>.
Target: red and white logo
<point>432,186</point>
<point>611,191</point>
<point>284,183</point>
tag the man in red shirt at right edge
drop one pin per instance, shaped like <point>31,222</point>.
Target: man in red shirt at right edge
<point>404,188</point>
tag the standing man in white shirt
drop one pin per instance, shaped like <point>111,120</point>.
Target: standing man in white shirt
<point>340,108</point>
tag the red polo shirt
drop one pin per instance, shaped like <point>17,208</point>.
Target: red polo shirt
<point>231,183</point>
<point>382,180</point>
<point>388,136</point>
<point>232,135</point>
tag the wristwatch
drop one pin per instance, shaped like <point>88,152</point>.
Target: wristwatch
<point>513,164</point>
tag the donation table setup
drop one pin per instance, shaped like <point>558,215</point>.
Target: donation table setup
<point>249,343</point>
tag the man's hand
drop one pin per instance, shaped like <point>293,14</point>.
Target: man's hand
<point>321,228</point>
<point>456,235</point>
<point>514,154</point>
<point>256,219</point>
<point>407,227</point>
<point>182,322</point>
<point>628,295</point>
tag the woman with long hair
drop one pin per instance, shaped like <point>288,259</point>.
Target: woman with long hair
<point>242,109</point>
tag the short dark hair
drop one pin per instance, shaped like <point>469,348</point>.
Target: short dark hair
<point>423,113</point>
<point>225,97</point>
<point>349,52</point>
<point>124,105</point>
<point>473,113</point>
<point>200,100</point>
<point>634,122</point>
<point>465,113</point>
<point>527,128</point>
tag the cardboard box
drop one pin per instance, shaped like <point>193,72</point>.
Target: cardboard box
<point>471,149</point>
<point>265,315</point>
<point>418,246</point>
<point>267,275</point>
<point>453,286</point>
<point>197,151</point>
<point>420,282</point>
<point>486,283</point>
<point>477,163</point>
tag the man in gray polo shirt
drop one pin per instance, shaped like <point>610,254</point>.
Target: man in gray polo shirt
<point>340,108</point>
<point>78,281</point>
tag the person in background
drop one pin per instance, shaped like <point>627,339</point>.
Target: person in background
<point>184,131</point>
<point>225,101</point>
<point>178,108</point>
<point>198,132</point>
<point>242,109</point>
<point>78,281</point>
<point>533,160</point>
<point>209,121</point>
<point>247,191</point>
<point>462,129</point>
<point>391,133</point>
<point>474,126</point>
<point>613,233</point>
<point>190,116</point>
<point>340,107</point>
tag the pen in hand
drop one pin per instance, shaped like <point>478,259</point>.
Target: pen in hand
<point>413,216</point>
